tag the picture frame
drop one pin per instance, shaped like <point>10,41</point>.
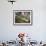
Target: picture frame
<point>22,17</point>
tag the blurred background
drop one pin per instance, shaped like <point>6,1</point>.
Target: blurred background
<point>9,31</point>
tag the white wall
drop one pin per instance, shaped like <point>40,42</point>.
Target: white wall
<point>38,30</point>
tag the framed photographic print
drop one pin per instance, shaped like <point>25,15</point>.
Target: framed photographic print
<point>22,17</point>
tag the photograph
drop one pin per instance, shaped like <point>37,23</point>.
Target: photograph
<point>22,17</point>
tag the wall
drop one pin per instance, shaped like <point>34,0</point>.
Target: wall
<point>38,30</point>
